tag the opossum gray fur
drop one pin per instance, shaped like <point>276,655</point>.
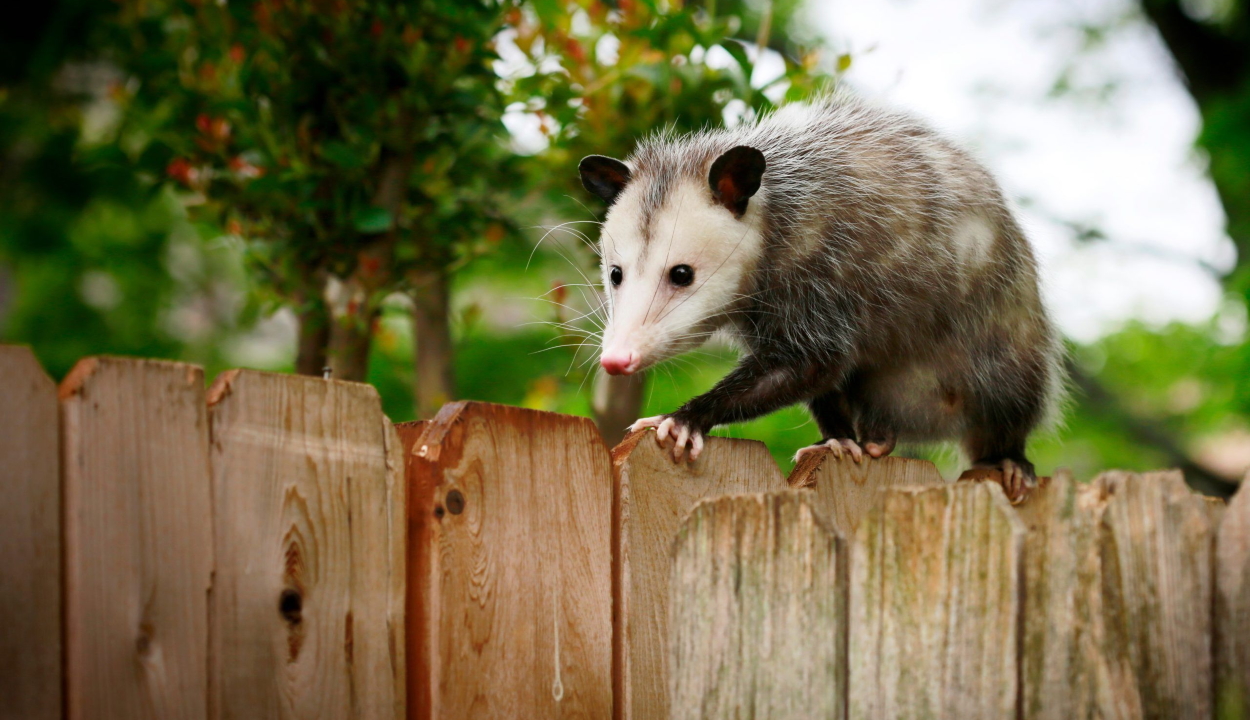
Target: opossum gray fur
<point>867,267</point>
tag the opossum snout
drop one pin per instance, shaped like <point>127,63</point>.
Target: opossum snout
<point>620,363</point>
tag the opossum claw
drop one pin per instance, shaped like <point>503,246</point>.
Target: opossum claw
<point>836,447</point>
<point>684,436</point>
<point>1017,481</point>
<point>696,446</point>
<point>663,429</point>
<point>647,422</point>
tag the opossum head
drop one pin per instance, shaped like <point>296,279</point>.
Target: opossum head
<point>678,248</point>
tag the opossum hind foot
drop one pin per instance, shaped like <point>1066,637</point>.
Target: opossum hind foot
<point>837,446</point>
<point>1019,478</point>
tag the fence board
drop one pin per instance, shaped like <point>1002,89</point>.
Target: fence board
<point>1232,608</point>
<point>138,539</point>
<point>934,605</point>
<point>1064,671</point>
<point>30,540</point>
<point>308,618</point>
<point>516,576</point>
<point>758,611</point>
<point>1156,544</point>
<point>653,496</point>
<point>846,490</point>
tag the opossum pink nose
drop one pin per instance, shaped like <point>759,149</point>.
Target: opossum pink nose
<point>625,363</point>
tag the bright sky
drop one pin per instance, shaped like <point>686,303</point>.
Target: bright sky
<point>982,70</point>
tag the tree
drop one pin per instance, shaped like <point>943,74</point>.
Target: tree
<point>355,145</point>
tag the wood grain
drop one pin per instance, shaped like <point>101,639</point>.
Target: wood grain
<point>935,606</point>
<point>30,540</point>
<point>846,490</point>
<point>1156,543</point>
<point>308,618</point>
<point>513,510</point>
<point>1064,671</point>
<point>1232,608</point>
<point>138,539</point>
<point>653,496</point>
<point>758,598</point>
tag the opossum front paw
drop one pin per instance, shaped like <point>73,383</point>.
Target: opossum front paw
<point>837,446</point>
<point>682,433</point>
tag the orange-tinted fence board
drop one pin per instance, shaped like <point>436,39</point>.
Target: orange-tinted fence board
<point>1156,540</point>
<point>1232,609</point>
<point>934,607</point>
<point>308,600</point>
<point>30,540</point>
<point>758,611</point>
<point>138,539</point>
<point>846,490</point>
<point>512,563</point>
<point>653,496</point>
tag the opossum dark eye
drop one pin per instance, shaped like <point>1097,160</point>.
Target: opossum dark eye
<point>681,275</point>
<point>616,275</point>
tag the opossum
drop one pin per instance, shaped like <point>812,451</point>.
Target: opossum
<point>864,264</point>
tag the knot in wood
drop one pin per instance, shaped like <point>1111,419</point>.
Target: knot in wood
<point>291,605</point>
<point>455,502</point>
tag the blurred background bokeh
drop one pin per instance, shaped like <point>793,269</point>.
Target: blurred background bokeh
<point>389,189</point>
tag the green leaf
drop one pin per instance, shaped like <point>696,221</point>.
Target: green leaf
<point>373,220</point>
<point>343,155</point>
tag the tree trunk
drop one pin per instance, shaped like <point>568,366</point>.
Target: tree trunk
<point>431,334</point>
<point>314,337</point>
<point>351,332</point>
<point>618,402</point>
<point>313,313</point>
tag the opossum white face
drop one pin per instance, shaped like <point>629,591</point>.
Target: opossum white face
<point>677,252</point>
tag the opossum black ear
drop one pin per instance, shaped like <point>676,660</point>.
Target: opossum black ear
<point>603,176</point>
<point>735,177</point>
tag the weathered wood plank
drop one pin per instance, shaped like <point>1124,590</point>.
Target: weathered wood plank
<point>513,508</point>
<point>1156,544</point>
<point>846,490</point>
<point>1232,608</point>
<point>308,599</point>
<point>935,605</point>
<point>758,598</point>
<point>653,496</point>
<point>30,540</point>
<point>1064,672</point>
<point>138,539</point>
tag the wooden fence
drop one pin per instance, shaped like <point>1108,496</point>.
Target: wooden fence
<point>272,547</point>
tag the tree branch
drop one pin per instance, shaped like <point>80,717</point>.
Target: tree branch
<point>1150,433</point>
<point>1211,61</point>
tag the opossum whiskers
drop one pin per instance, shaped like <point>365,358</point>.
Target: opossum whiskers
<point>592,315</point>
<point>603,231</point>
<point>561,227</point>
